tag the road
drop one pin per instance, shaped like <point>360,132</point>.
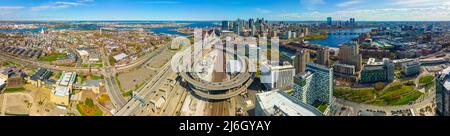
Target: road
<point>145,92</point>
<point>108,71</point>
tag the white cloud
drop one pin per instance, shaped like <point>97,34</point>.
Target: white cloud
<point>349,3</point>
<point>163,2</point>
<point>11,7</point>
<point>418,3</point>
<point>61,5</point>
<point>263,11</point>
<point>435,13</point>
<point>311,4</point>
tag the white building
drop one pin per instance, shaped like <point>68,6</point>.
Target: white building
<point>278,103</point>
<point>2,83</point>
<point>277,77</point>
<point>120,56</point>
<point>84,55</point>
<point>61,94</point>
<point>314,87</point>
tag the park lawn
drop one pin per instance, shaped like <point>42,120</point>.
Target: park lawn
<point>322,107</point>
<point>426,79</point>
<point>14,90</point>
<point>103,98</point>
<point>398,96</point>
<point>98,65</point>
<point>405,99</point>
<point>316,36</point>
<point>86,110</point>
<point>128,93</point>
<point>362,95</point>
<point>53,57</point>
<point>96,77</point>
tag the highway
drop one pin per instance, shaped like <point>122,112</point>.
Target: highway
<point>145,92</point>
<point>108,71</point>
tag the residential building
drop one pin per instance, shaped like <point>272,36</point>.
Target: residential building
<point>314,87</point>
<point>14,76</point>
<point>278,103</point>
<point>443,92</point>
<point>277,77</point>
<point>300,61</point>
<point>323,56</point>
<point>349,54</point>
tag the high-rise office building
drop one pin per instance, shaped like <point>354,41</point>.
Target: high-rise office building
<point>352,21</point>
<point>443,92</point>
<point>225,25</point>
<point>314,87</point>
<point>323,57</point>
<point>329,21</point>
<point>300,61</point>
<point>349,54</point>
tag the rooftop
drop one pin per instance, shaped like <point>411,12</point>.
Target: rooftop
<point>61,91</point>
<point>2,81</point>
<point>280,103</point>
<point>120,56</point>
<point>83,52</point>
<point>67,78</point>
<point>444,77</point>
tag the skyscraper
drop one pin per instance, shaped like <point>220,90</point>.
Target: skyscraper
<point>349,54</point>
<point>324,56</point>
<point>314,87</point>
<point>329,21</point>
<point>225,25</point>
<point>300,61</point>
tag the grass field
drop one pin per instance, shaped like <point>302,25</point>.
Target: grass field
<point>426,79</point>
<point>14,90</point>
<point>362,95</point>
<point>53,57</point>
<point>87,108</point>
<point>396,94</point>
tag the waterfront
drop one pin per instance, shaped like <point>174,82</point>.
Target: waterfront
<point>85,25</point>
<point>337,40</point>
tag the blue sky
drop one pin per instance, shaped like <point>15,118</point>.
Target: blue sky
<point>282,10</point>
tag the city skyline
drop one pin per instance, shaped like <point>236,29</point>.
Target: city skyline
<point>290,10</point>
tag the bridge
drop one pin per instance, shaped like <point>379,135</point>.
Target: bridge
<point>344,33</point>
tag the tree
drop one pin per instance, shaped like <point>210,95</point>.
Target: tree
<point>89,102</point>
